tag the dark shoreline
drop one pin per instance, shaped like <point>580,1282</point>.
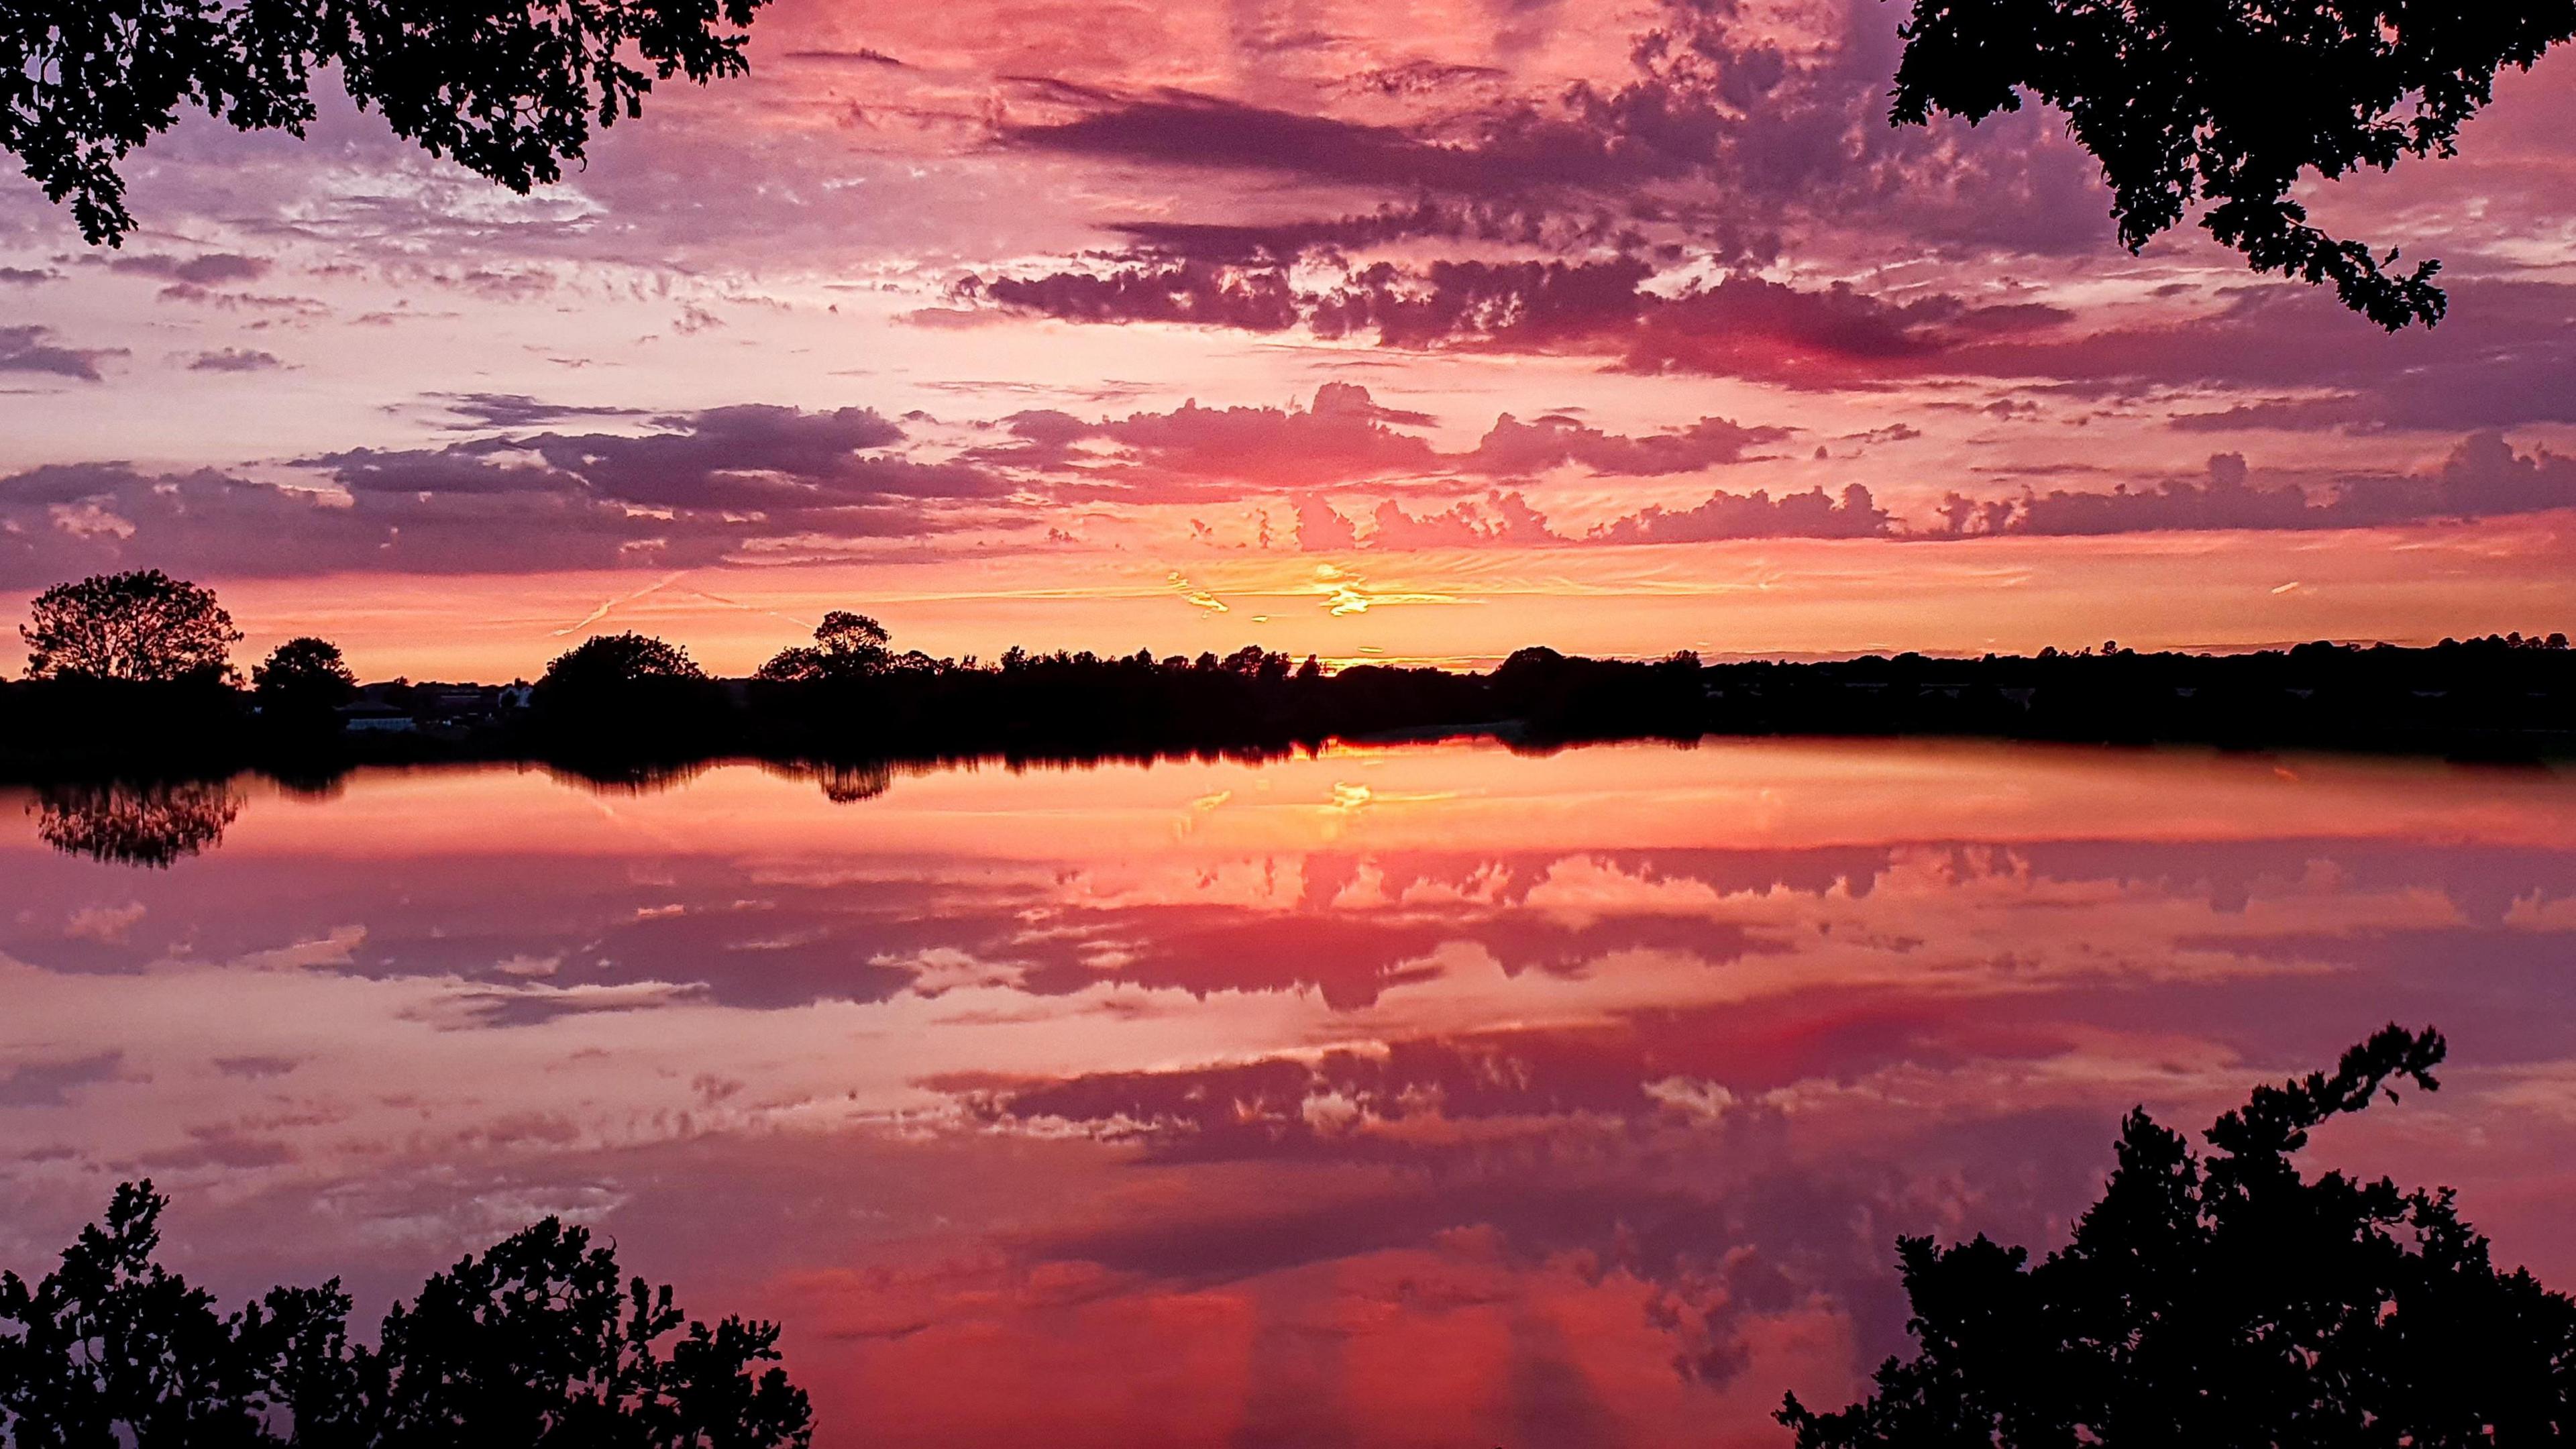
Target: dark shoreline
<point>2488,700</point>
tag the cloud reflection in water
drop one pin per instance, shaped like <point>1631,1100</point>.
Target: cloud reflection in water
<point>1575,1099</point>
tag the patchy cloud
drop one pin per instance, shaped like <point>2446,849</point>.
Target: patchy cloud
<point>1341,436</point>
<point>235,359</point>
<point>51,1084</point>
<point>1811,514</point>
<point>2504,356</point>
<point>1723,118</point>
<point>1739,326</point>
<point>749,457</point>
<point>1500,519</point>
<point>706,486</point>
<point>1507,519</point>
<point>518,410</point>
<point>210,269</point>
<point>1186,292</point>
<point>1186,128</point>
<point>1344,436</point>
<point>26,349</point>
<point>1515,448</point>
<point>2482,478</point>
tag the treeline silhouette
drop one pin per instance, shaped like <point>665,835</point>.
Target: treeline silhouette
<point>129,675</point>
<point>536,1341</point>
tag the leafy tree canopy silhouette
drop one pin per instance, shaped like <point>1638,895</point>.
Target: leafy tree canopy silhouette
<point>508,89</point>
<point>2231,102</point>
<point>2226,1301</point>
<point>304,674</point>
<point>846,646</point>
<point>535,1342</point>
<point>608,660</point>
<point>143,627</point>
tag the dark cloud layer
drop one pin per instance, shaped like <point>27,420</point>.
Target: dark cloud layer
<point>1177,127</point>
<point>1721,130</point>
<point>235,359</point>
<point>698,488</point>
<point>1758,515</point>
<point>209,269</point>
<point>1188,291</point>
<point>2506,357</point>
<point>776,460</point>
<point>518,410</point>
<point>703,486</point>
<point>1738,326</point>
<point>1344,436</point>
<point>63,521</point>
<point>1507,518</point>
<point>2482,478</point>
<point>1549,229</point>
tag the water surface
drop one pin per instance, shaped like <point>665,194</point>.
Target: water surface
<point>1429,1095</point>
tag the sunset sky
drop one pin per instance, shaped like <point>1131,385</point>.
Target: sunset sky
<point>1412,330</point>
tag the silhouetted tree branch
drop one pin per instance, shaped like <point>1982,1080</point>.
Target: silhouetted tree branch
<point>2230,1301</point>
<point>536,1342</point>
<point>2231,102</point>
<point>507,88</point>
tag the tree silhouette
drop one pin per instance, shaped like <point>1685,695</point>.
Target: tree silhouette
<point>620,699</point>
<point>508,90</point>
<point>2227,1300</point>
<point>2231,102</point>
<point>152,823</point>
<point>137,628</point>
<point>110,1341</point>
<point>846,646</point>
<point>304,677</point>
<point>613,659</point>
<point>535,1342</point>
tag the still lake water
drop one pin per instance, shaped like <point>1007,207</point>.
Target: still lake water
<point>1423,1095</point>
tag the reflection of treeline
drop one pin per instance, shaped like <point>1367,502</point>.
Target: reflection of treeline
<point>619,703</point>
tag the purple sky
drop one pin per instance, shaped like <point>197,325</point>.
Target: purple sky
<point>1415,330</point>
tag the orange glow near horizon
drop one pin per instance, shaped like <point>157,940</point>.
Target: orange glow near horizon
<point>1779,597</point>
